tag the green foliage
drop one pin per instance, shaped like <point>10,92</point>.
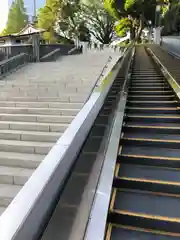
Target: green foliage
<point>171,20</point>
<point>76,19</point>
<point>98,21</point>
<point>69,19</point>
<point>47,18</point>
<point>123,26</point>
<point>139,13</point>
<point>17,18</point>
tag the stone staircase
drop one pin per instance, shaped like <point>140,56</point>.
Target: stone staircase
<point>37,103</point>
<point>29,127</point>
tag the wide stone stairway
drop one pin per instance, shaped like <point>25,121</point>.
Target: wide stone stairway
<point>37,103</point>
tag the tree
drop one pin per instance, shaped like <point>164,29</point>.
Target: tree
<point>133,15</point>
<point>171,20</point>
<point>17,18</point>
<point>69,19</point>
<point>99,22</point>
<point>47,17</point>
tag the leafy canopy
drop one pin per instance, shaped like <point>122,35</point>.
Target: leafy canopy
<point>17,18</point>
<point>133,15</point>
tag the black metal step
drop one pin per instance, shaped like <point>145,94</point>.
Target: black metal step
<point>148,178</point>
<point>146,187</point>
<point>147,142</point>
<point>149,135</point>
<point>153,110</point>
<point>151,98</point>
<point>148,173</point>
<point>145,77</point>
<point>136,103</point>
<point>148,84</point>
<point>140,118</point>
<point>132,233</point>
<point>146,210</point>
<point>158,92</point>
<point>150,129</point>
<point>149,160</point>
<point>151,152</point>
<point>149,88</point>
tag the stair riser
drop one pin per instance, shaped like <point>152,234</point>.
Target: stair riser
<point>19,163</point>
<point>150,89</point>
<point>66,112</point>
<point>152,84</point>
<point>151,130</point>
<point>174,145</point>
<point>144,186</point>
<point>29,137</point>
<point>147,81</point>
<point>160,93</point>
<point>63,98</point>
<point>145,223</point>
<point>25,149</point>
<point>4,202</point>
<point>41,105</point>
<point>145,104</point>
<point>40,119</point>
<point>34,93</point>
<point>149,162</point>
<point>152,111</point>
<point>130,120</point>
<point>151,77</point>
<point>14,180</point>
<point>29,127</point>
<point>153,98</point>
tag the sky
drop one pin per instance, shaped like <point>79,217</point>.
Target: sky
<point>3,13</point>
<point>5,4</point>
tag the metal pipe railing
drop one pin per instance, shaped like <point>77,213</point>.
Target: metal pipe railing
<point>13,63</point>
<point>52,56</point>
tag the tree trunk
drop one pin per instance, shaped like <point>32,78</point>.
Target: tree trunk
<point>132,33</point>
<point>140,29</point>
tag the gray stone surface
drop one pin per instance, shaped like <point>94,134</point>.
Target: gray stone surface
<point>37,104</point>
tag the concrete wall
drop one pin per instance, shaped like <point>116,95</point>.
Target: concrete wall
<point>172,43</point>
<point>47,48</point>
<point>13,50</point>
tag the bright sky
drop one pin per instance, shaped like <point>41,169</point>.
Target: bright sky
<point>3,13</point>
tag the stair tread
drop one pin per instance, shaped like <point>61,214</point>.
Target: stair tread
<point>149,173</point>
<point>9,190</point>
<point>35,115</point>
<point>150,205</point>
<point>34,123</point>
<point>37,109</point>
<point>15,171</point>
<point>42,104</point>
<point>30,132</point>
<point>25,143</point>
<point>21,156</point>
